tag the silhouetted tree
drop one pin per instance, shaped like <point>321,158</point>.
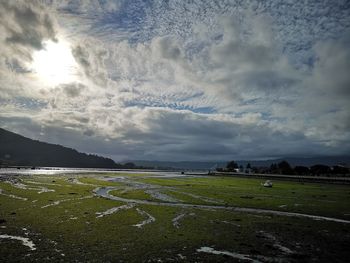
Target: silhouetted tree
<point>285,168</point>
<point>339,169</point>
<point>129,165</point>
<point>274,168</point>
<point>320,169</point>
<point>248,166</point>
<point>232,165</point>
<point>302,170</point>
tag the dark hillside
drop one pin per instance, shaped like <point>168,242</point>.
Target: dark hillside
<point>18,150</point>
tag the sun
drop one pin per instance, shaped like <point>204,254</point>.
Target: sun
<point>54,64</point>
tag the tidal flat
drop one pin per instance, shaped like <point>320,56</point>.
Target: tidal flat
<point>169,217</point>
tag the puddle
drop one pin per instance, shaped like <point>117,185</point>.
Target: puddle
<point>176,219</point>
<point>40,189</point>
<point>227,253</point>
<point>13,196</point>
<point>161,196</point>
<point>230,223</point>
<point>66,200</point>
<point>76,181</point>
<point>276,244</point>
<point>25,241</point>
<point>202,198</point>
<point>114,210</point>
<point>149,220</point>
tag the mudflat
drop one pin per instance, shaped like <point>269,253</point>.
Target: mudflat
<point>169,217</point>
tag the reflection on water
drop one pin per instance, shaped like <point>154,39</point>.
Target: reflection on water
<point>63,170</point>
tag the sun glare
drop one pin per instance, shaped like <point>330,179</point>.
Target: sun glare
<point>55,64</point>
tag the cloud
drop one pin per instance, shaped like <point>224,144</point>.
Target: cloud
<point>331,70</point>
<point>25,25</point>
<point>169,49</point>
<point>191,80</point>
<point>324,94</point>
<point>73,89</point>
<point>91,56</point>
<point>168,134</point>
<point>247,66</point>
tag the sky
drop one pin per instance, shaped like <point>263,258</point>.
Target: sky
<point>178,80</point>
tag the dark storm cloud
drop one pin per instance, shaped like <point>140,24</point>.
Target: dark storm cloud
<point>157,143</point>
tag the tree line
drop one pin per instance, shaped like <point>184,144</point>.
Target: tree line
<point>285,168</point>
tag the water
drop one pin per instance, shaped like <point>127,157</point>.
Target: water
<point>63,170</point>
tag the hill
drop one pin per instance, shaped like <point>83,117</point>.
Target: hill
<point>18,150</point>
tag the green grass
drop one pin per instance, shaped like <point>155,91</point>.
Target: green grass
<point>133,194</point>
<point>72,227</point>
<point>317,199</point>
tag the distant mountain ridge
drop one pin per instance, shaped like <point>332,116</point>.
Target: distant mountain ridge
<point>18,150</point>
<point>327,160</point>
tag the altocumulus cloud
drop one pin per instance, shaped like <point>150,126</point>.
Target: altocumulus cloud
<point>197,80</point>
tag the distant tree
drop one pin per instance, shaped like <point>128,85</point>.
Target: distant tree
<point>339,169</point>
<point>255,170</point>
<point>274,168</point>
<point>232,165</point>
<point>261,170</point>
<point>129,165</point>
<point>302,170</point>
<point>320,169</point>
<point>285,168</point>
<point>248,166</point>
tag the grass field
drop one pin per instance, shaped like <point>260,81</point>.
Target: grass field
<point>143,218</point>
